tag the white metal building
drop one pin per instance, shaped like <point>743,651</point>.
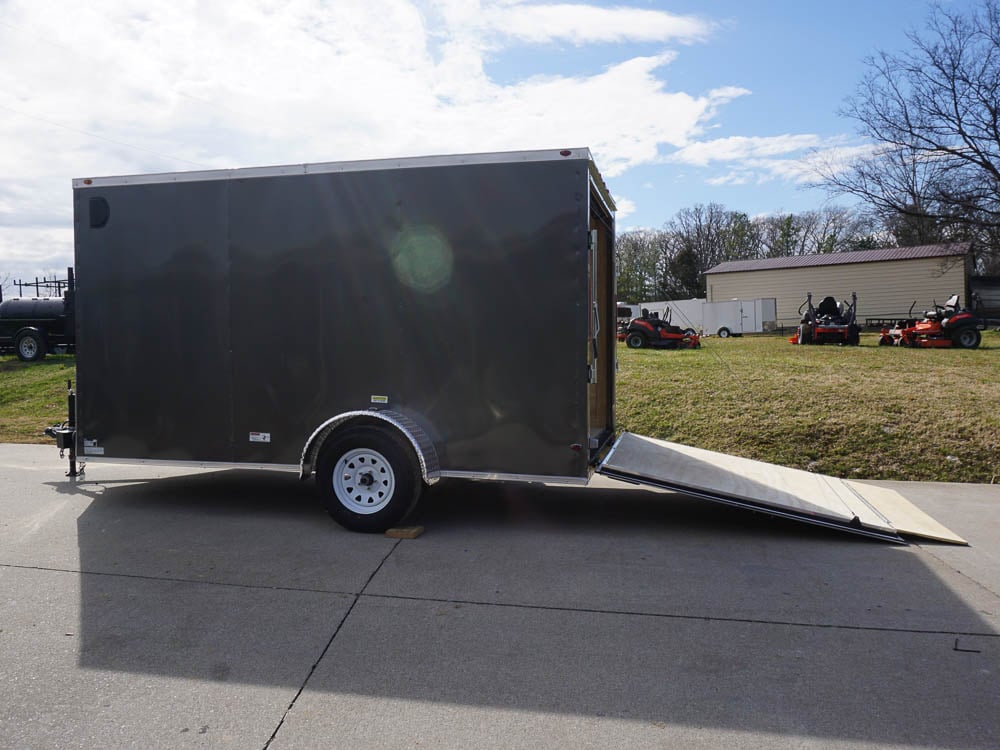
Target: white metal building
<point>887,281</point>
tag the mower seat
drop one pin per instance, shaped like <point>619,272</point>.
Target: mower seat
<point>660,324</point>
<point>829,307</point>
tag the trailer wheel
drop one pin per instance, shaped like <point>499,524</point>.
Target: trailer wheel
<point>30,346</point>
<point>368,477</point>
<point>966,338</point>
<point>724,333</point>
<point>635,341</point>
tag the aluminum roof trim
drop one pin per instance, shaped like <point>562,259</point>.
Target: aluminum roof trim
<point>412,162</point>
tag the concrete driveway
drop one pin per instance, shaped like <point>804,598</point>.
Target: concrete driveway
<point>150,607</point>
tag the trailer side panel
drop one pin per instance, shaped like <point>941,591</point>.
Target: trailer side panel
<point>153,363</point>
<point>225,319</point>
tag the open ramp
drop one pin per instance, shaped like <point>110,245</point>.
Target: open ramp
<point>856,507</point>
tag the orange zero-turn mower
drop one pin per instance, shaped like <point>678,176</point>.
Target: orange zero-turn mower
<point>830,323</point>
<point>946,326</point>
<point>650,331</point>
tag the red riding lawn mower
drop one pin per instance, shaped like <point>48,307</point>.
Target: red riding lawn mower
<point>830,323</point>
<point>650,331</point>
<point>943,327</point>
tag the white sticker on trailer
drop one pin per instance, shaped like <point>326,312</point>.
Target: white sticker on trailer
<point>260,437</point>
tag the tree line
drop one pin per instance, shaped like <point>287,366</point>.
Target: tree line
<point>670,263</point>
<point>932,115</point>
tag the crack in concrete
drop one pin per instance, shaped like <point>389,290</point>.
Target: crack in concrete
<point>326,648</point>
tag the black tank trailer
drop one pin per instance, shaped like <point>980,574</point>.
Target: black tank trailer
<point>381,325</point>
<point>31,327</point>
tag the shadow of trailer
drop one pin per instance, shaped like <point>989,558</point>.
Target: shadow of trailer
<point>378,324</point>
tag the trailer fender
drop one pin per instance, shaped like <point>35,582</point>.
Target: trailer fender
<point>430,469</point>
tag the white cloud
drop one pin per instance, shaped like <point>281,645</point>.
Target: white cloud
<point>625,206</point>
<point>732,178</point>
<point>807,167</point>
<point>737,148</point>
<point>149,85</point>
<point>763,159</point>
<point>582,24</point>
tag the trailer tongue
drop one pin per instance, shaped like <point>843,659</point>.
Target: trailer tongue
<point>777,490</point>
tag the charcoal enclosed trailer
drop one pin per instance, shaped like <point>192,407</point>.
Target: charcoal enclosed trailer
<point>380,324</point>
<point>425,318</point>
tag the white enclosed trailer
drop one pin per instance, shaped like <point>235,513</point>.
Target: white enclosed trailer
<point>734,317</point>
<point>684,313</point>
<point>627,312</point>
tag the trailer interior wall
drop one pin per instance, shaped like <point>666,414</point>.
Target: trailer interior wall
<point>223,317</point>
<point>884,288</point>
<point>603,321</point>
<point>988,289</point>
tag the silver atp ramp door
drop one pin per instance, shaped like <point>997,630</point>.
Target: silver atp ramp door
<point>778,490</point>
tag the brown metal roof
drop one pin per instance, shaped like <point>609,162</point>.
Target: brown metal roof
<point>834,259</point>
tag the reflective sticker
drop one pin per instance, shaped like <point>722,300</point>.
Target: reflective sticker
<point>380,399</point>
<point>93,450</point>
<point>260,437</point>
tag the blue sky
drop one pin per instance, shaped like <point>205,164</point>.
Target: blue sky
<point>799,61</point>
<point>681,102</point>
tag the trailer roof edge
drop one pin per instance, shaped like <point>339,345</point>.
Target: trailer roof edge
<point>410,162</point>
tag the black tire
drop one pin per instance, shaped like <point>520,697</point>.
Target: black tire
<point>635,341</point>
<point>368,477</point>
<point>853,336</point>
<point>805,334</point>
<point>30,346</point>
<point>689,332</point>
<point>966,338</point>
<point>724,333</point>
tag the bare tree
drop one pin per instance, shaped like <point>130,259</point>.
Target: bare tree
<point>671,263</point>
<point>934,115</point>
<point>838,229</point>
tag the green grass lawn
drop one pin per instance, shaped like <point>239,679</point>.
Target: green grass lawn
<point>33,396</point>
<point>865,412</point>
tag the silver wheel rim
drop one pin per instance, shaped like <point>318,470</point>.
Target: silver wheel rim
<point>29,348</point>
<point>967,337</point>
<point>363,481</point>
